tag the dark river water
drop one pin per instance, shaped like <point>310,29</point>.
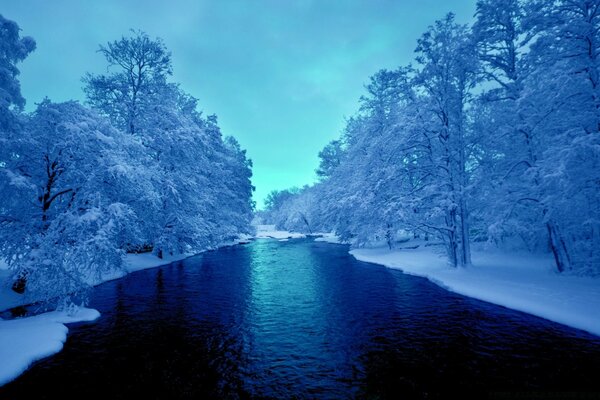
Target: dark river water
<point>303,319</point>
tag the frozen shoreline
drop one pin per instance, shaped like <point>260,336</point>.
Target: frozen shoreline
<point>522,282</point>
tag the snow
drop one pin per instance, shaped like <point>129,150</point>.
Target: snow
<point>522,282</point>
<point>133,262</point>
<point>26,340</point>
<point>269,232</point>
<point>329,237</point>
<point>138,262</point>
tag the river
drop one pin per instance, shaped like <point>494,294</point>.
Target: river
<point>303,319</point>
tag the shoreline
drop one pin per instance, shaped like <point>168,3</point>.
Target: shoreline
<point>518,281</point>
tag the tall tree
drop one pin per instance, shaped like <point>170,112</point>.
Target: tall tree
<point>448,74</point>
<point>560,110</point>
<point>13,50</point>
<point>141,66</point>
<point>67,225</point>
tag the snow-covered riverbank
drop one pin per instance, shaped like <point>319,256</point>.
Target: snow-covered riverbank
<point>26,340</point>
<point>133,262</point>
<point>521,282</point>
<point>270,232</point>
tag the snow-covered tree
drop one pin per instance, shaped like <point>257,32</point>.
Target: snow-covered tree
<point>560,109</point>
<point>330,158</point>
<point>63,195</point>
<point>13,50</point>
<point>201,183</point>
<point>140,68</point>
<point>537,152</point>
<point>447,76</point>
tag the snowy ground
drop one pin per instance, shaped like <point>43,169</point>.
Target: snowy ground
<point>328,238</point>
<point>269,232</point>
<point>26,340</point>
<point>522,282</point>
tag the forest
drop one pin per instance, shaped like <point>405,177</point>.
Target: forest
<point>491,134</point>
<point>137,168</point>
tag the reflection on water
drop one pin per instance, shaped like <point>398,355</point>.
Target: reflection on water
<point>301,319</point>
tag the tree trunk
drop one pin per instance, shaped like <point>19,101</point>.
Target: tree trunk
<point>389,236</point>
<point>452,246</point>
<point>558,247</point>
<point>464,233</point>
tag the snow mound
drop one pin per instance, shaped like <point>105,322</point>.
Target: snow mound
<point>26,340</point>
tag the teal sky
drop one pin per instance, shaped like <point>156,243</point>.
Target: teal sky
<point>281,75</point>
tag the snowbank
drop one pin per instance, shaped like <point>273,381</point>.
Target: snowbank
<point>522,282</point>
<point>138,262</point>
<point>26,340</point>
<point>133,262</point>
<point>329,238</point>
<point>269,232</point>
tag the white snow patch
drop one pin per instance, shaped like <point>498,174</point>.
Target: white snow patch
<point>522,282</point>
<point>269,232</point>
<point>329,237</point>
<point>138,262</point>
<point>26,340</point>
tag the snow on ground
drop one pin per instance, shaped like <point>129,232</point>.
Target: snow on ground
<point>522,282</point>
<point>26,340</point>
<point>269,232</point>
<point>328,238</point>
<point>138,262</point>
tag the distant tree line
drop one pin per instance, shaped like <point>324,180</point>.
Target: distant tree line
<point>138,168</point>
<point>492,134</point>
